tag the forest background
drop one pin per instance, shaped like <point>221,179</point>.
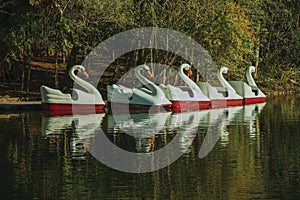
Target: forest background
<point>41,39</point>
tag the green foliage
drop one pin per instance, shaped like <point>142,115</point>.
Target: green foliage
<point>237,33</point>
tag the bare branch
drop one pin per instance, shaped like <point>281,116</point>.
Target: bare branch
<point>5,3</point>
<point>12,14</point>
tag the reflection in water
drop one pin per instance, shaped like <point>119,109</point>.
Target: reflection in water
<point>83,129</point>
<point>215,130</point>
<point>186,124</point>
<point>245,116</point>
<point>148,128</point>
<point>220,119</point>
<point>142,126</point>
<point>255,154</point>
<point>145,127</point>
<point>138,124</point>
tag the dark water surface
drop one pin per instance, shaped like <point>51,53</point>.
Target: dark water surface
<point>256,155</point>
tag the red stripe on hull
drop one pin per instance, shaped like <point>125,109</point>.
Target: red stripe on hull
<point>180,110</point>
<point>203,105</point>
<point>254,100</point>
<point>178,104</point>
<point>72,106</point>
<point>222,103</point>
<point>183,106</point>
<point>69,109</point>
<point>119,107</point>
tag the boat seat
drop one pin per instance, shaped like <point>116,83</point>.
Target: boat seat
<point>255,89</point>
<point>122,89</point>
<point>223,91</point>
<point>188,90</point>
<point>126,90</point>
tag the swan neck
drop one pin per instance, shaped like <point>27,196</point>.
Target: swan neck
<point>224,82</point>
<point>145,81</point>
<point>81,82</point>
<point>188,81</point>
<point>250,79</point>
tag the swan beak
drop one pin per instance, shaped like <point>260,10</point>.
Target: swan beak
<point>190,72</point>
<point>228,73</point>
<point>85,74</point>
<point>149,73</point>
<point>254,74</point>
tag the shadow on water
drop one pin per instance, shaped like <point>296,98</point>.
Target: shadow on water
<point>246,152</point>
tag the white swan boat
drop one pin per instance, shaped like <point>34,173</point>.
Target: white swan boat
<point>185,96</point>
<point>250,92</point>
<point>221,96</point>
<point>55,100</point>
<point>151,96</point>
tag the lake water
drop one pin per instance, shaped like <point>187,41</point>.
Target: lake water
<point>246,152</point>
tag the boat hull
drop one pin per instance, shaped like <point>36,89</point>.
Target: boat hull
<point>190,105</point>
<point>68,109</point>
<point>119,107</point>
<point>222,103</point>
<point>254,100</point>
<point>249,96</point>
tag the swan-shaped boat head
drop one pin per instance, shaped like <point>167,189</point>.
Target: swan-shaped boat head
<point>89,97</point>
<point>150,95</point>
<point>250,70</point>
<point>189,96</point>
<point>251,82</point>
<point>250,92</point>
<point>221,96</point>
<point>154,96</point>
<point>185,66</point>
<point>225,84</point>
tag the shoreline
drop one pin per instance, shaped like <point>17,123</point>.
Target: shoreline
<point>16,104</point>
<point>21,96</point>
<point>281,93</point>
<point>20,105</point>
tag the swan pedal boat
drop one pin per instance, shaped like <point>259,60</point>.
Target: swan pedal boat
<point>221,96</point>
<point>55,100</point>
<point>151,97</point>
<point>186,97</point>
<point>250,92</point>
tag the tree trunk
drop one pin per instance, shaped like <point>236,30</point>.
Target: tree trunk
<point>56,71</point>
<point>3,56</point>
<point>23,76</point>
<point>256,57</point>
<point>67,82</point>
<point>28,78</point>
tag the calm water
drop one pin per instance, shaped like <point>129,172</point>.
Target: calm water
<point>256,154</point>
